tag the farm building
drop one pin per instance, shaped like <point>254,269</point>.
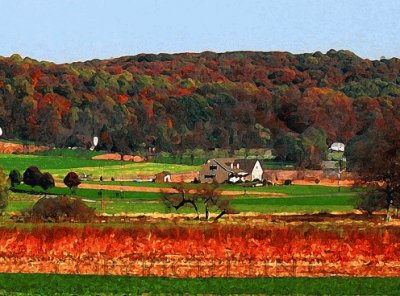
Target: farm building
<point>233,170</point>
<point>337,147</point>
<point>163,177</point>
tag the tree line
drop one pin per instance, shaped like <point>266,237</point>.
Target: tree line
<point>296,104</point>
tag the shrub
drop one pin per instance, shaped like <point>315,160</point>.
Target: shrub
<point>60,208</point>
<point>4,187</point>
<point>32,176</point>
<point>288,182</point>
<point>15,177</point>
<point>46,181</point>
<point>370,200</point>
<point>317,181</point>
<point>195,181</point>
<point>267,182</point>
<point>72,180</point>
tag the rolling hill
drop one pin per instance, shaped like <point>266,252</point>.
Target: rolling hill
<point>295,103</point>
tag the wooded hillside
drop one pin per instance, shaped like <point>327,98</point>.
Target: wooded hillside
<point>295,103</point>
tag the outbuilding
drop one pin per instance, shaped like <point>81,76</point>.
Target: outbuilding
<point>163,177</point>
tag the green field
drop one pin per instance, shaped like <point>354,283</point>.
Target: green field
<point>59,166</point>
<point>299,199</point>
<point>42,284</point>
<point>302,199</point>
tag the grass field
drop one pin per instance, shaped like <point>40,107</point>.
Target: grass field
<point>59,166</point>
<point>43,284</point>
<point>299,199</point>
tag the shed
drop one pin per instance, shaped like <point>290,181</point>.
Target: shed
<point>338,147</point>
<point>163,177</point>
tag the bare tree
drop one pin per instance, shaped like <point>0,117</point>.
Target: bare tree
<point>181,198</point>
<point>210,195</point>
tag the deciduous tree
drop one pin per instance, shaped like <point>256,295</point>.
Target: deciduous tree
<point>15,178</point>
<point>376,161</point>
<point>32,176</point>
<point>72,181</point>
<point>4,190</point>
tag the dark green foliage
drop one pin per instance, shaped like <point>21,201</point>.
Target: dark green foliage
<point>15,177</point>
<point>32,176</point>
<point>375,158</point>
<point>60,208</point>
<point>46,181</point>
<point>71,180</point>
<point>4,190</point>
<point>371,200</point>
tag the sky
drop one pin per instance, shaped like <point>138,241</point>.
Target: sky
<point>78,30</point>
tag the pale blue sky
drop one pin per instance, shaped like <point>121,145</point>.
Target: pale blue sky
<point>71,30</point>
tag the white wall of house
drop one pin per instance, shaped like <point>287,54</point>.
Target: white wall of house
<point>257,172</point>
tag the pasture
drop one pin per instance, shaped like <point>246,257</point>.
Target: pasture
<point>296,199</point>
<point>51,284</point>
<point>59,166</point>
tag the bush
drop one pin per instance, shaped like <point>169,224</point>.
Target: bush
<point>371,200</point>
<point>32,176</point>
<point>15,177</point>
<point>71,180</point>
<point>60,208</point>
<point>46,181</point>
<point>4,187</point>
<point>288,182</point>
<point>317,181</point>
<point>267,182</point>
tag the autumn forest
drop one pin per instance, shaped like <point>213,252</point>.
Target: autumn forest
<point>295,103</point>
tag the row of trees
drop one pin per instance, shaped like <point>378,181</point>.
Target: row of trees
<point>32,177</point>
<point>208,100</point>
<point>56,208</point>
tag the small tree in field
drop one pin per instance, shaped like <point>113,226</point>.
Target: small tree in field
<point>46,181</point>
<point>72,181</point>
<point>214,200</point>
<point>15,178</point>
<point>207,194</point>
<point>181,198</point>
<point>4,190</point>
<point>32,176</point>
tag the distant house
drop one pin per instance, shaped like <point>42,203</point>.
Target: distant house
<point>85,177</point>
<point>337,147</point>
<point>232,170</point>
<point>163,177</point>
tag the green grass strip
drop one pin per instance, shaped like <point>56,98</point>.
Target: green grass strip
<point>42,284</point>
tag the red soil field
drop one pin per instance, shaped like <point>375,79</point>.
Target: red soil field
<point>14,148</point>
<point>295,249</point>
